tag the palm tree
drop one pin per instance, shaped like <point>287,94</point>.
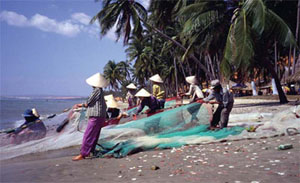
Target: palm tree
<point>112,74</point>
<point>123,13</point>
<point>249,26</point>
<point>251,35</point>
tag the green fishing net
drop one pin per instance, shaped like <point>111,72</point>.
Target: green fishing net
<point>174,127</point>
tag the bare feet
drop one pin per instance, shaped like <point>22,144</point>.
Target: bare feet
<point>77,158</point>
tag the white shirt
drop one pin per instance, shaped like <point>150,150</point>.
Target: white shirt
<point>195,91</point>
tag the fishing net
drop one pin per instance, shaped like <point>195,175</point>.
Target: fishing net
<point>183,125</point>
<point>168,104</point>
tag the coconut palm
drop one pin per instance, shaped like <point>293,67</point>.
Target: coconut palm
<point>112,73</point>
<point>249,25</point>
<point>123,13</point>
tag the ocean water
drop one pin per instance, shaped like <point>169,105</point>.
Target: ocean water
<point>12,108</point>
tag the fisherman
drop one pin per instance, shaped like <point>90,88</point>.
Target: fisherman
<point>96,113</point>
<point>112,108</point>
<point>32,129</point>
<point>147,100</point>
<point>130,95</point>
<point>194,90</point>
<point>225,100</point>
<point>157,89</point>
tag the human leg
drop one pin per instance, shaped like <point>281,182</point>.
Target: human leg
<point>91,135</point>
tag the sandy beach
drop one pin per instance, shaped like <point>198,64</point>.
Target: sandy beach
<point>237,161</point>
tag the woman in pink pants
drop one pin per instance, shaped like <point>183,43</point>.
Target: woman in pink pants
<point>96,113</point>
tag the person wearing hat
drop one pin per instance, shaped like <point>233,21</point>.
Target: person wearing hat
<point>225,100</point>
<point>130,95</point>
<point>157,90</point>
<point>32,129</point>
<point>96,113</point>
<point>147,100</point>
<point>194,90</point>
<point>112,108</point>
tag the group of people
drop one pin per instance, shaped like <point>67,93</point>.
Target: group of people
<point>97,105</point>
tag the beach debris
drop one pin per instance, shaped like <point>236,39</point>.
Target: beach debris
<point>133,179</point>
<point>120,176</point>
<point>254,182</point>
<point>193,173</point>
<point>285,146</point>
<point>154,167</point>
<point>280,173</point>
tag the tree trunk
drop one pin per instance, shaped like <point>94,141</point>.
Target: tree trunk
<point>176,82</point>
<point>289,63</point>
<point>282,97</point>
<point>177,44</point>
<point>297,41</point>
<point>211,66</point>
<point>275,55</point>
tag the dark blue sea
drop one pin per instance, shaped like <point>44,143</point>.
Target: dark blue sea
<point>12,108</point>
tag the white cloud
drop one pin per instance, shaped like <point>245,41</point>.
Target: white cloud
<point>50,25</point>
<point>81,17</point>
<point>13,18</point>
<point>78,23</point>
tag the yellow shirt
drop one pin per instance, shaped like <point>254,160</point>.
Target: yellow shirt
<point>158,92</point>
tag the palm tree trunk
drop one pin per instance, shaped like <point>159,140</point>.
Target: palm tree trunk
<point>282,97</point>
<point>275,55</point>
<point>176,82</point>
<point>177,44</point>
<point>289,63</point>
<point>297,41</point>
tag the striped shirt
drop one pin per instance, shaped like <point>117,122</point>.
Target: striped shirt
<point>96,104</point>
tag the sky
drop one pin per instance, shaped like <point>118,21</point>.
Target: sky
<point>48,47</point>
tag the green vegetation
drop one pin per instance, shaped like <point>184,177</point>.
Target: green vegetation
<point>224,39</point>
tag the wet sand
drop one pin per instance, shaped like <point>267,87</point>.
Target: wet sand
<point>253,160</point>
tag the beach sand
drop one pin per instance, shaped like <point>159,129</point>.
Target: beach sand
<point>251,160</point>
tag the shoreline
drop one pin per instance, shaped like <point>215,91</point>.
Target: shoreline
<point>243,160</point>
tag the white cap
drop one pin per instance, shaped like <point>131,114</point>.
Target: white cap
<point>215,83</point>
<point>156,78</point>
<point>97,80</point>
<point>110,101</point>
<point>191,79</point>
<point>131,86</point>
<point>142,93</point>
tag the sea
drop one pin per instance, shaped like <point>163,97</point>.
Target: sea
<point>12,108</point>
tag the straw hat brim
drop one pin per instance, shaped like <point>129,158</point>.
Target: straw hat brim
<point>110,101</point>
<point>131,86</point>
<point>191,79</point>
<point>156,78</point>
<point>143,93</point>
<point>97,80</point>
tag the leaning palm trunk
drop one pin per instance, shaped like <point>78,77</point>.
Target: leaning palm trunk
<point>177,44</point>
<point>274,75</point>
<point>297,32</point>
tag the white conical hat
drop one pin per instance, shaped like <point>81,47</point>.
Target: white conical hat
<point>110,101</point>
<point>35,113</point>
<point>142,93</point>
<point>97,80</point>
<point>156,78</point>
<point>131,86</point>
<point>191,79</point>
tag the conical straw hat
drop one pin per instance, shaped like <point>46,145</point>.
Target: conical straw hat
<point>131,86</point>
<point>142,93</point>
<point>97,80</point>
<point>35,113</point>
<point>191,79</point>
<point>110,101</point>
<point>156,78</point>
